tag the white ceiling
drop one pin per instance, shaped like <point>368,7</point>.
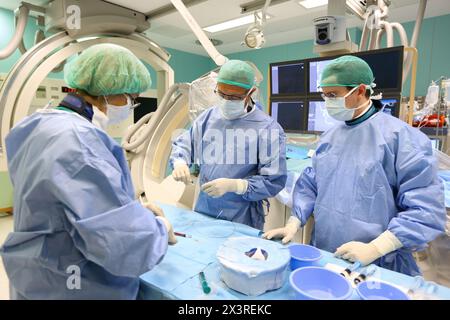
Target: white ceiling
<point>290,23</point>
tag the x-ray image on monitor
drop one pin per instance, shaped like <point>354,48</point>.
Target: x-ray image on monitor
<point>315,72</point>
<point>391,106</point>
<point>318,118</point>
<point>289,114</point>
<point>288,79</point>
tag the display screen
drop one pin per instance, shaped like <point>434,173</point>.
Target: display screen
<point>315,72</point>
<point>391,106</point>
<point>386,65</point>
<point>147,105</point>
<point>290,115</point>
<point>68,90</point>
<point>288,79</point>
<point>387,69</point>
<point>318,118</point>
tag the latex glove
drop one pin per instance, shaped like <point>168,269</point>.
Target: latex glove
<point>157,211</point>
<point>287,233</point>
<point>366,253</point>
<point>181,172</point>
<point>169,228</point>
<point>219,187</point>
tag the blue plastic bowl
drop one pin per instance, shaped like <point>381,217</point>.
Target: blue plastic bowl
<point>316,283</point>
<point>303,255</point>
<point>374,290</point>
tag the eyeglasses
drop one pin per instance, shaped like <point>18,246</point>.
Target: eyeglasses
<point>134,103</point>
<point>229,96</point>
<point>333,95</point>
<point>328,95</point>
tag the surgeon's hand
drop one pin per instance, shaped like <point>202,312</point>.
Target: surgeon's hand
<point>286,233</point>
<point>181,172</point>
<point>366,253</point>
<point>169,228</point>
<point>157,211</point>
<point>219,187</point>
<point>354,251</point>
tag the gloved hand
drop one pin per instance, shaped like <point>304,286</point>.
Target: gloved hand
<point>172,238</point>
<point>181,172</point>
<point>287,233</point>
<point>366,253</point>
<point>354,251</point>
<point>159,213</point>
<point>219,187</point>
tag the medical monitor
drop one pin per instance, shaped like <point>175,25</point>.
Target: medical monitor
<point>391,105</point>
<point>386,65</point>
<point>291,115</point>
<point>318,118</point>
<point>288,79</point>
<point>146,106</point>
<point>315,72</point>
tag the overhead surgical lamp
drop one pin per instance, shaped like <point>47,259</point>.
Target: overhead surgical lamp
<point>254,37</point>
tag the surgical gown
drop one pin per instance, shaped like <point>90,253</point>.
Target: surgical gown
<point>368,178</point>
<point>266,175</point>
<point>78,231</point>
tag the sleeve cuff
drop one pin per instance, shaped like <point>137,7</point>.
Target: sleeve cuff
<point>242,186</point>
<point>165,222</point>
<point>294,221</point>
<point>178,162</point>
<point>387,242</point>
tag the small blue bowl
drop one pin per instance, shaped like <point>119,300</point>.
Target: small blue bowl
<point>316,283</point>
<point>374,290</point>
<point>303,255</point>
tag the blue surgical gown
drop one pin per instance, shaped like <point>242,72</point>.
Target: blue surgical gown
<point>368,178</point>
<point>266,175</point>
<point>75,214</point>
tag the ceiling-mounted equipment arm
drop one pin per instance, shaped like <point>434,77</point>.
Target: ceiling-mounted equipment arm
<point>20,22</point>
<point>254,37</point>
<point>38,36</point>
<point>373,14</point>
<point>218,58</point>
<point>264,11</point>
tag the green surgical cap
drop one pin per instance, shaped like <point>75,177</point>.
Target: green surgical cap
<point>347,71</point>
<point>237,73</point>
<point>107,69</point>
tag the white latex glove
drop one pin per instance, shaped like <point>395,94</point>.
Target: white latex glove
<point>172,238</point>
<point>159,214</point>
<point>287,233</point>
<point>157,211</point>
<point>366,253</point>
<point>219,187</point>
<point>181,172</point>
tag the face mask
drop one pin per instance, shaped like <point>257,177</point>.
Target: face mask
<point>100,120</point>
<point>336,107</point>
<point>232,109</point>
<point>117,114</point>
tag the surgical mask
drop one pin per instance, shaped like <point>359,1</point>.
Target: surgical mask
<point>336,107</point>
<point>100,120</point>
<point>232,109</point>
<point>117,114</point>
